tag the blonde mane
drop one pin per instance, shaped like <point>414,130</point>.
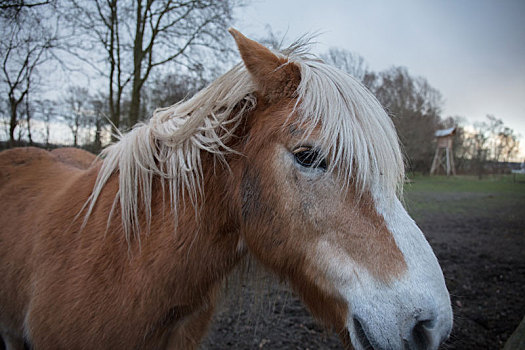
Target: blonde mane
<point>357,136</point>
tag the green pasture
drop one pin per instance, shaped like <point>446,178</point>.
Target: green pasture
<point>465,183</point>
<point>498,195</point>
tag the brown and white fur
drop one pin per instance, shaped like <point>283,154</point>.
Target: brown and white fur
<point>129,253</point>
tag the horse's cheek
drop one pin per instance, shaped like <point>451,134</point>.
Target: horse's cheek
<point>264,229</point>
<point>250,196</point>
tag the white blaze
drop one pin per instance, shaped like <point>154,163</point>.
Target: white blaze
<point>389,311</point>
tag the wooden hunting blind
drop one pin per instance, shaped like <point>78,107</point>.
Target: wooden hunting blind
<point>444,156</point>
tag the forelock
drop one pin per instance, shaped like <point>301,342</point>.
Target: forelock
<point>356,134</point>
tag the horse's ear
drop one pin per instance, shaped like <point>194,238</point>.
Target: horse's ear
<point>275,76</point>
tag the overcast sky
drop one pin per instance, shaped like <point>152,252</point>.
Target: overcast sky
<point>472,51</point>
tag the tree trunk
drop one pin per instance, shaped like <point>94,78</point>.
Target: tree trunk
<point>97,143</point>
<point>48,130</point>
<point>28,119</point>
<point>13,121</point>
<point>75,131</point>
<point>30,138</point>
<point>134,108</point>
<point>114,103</point>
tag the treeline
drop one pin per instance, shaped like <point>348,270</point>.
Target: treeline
<point>485,147</point>
<point>416,110</point>
<point>144,54</point>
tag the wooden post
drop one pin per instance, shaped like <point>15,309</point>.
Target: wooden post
<point>445,139</point>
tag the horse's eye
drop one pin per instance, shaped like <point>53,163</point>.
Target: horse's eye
<point>309,158</point>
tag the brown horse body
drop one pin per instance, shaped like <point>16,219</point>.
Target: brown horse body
<point>104,286</point>
<point>86,289</point>
<point>75,157</point>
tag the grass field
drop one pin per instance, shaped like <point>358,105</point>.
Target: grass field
<point>463,195</point>
<point>493,183</point>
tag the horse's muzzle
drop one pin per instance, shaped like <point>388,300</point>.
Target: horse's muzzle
<point>424,333</point>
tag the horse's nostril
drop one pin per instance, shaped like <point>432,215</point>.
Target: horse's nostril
<point>421,334</point>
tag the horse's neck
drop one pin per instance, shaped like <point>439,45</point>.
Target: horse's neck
<point>171,272</point>
<point>186,257</point>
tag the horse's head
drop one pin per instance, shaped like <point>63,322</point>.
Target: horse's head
<point>318,206</point>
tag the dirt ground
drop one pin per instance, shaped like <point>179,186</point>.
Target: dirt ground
<point>480,244</point>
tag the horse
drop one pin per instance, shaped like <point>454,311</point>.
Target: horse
<point>74,156</point>
<point>284,159</point>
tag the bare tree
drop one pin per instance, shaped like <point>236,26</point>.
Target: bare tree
<point>76,114</point>
<point>26,44</point>
<point>487,143</point>
<point>493,127</point>
<point>503,141</point>
<point>478,145</point>
<point>166,89</point>
<point>415,108</point>
<point>17,5</point>
<point>97,119</point>
<point>4,117</point>
<point>508,144</point>
<point>139,36</point>
<point>28,112</point>
<point>46,111</point>
<point>13,8</point>
<point>350,62</point>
